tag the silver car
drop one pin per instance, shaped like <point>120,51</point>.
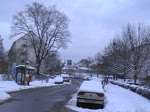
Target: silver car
<point>91,93</point>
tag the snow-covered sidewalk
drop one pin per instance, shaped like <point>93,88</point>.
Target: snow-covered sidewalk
<point>118,100</point>
<point>10,86</point>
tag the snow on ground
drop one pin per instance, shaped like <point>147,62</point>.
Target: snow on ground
<point>124,100</point>
<point>4,96</point>
<point>10,86</point>
<point>118,100</point>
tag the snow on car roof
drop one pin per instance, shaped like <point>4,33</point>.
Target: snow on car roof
<point>91,86</point>
<point>64,75</point>
<point>58,79</point>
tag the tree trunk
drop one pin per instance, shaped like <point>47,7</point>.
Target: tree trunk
<point>135,78</point>
<point>38,69</point>
<point>124,77</point>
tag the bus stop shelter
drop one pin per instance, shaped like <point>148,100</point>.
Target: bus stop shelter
<point>21,73</point>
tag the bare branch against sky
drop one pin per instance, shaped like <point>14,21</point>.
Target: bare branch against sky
<point>93,22</point>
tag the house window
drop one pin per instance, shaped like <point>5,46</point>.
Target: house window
<point>22,61</point>
<point>23,45</point>
<point>23,53</point>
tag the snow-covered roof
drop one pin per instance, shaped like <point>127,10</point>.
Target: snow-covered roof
<point>23,66</point>
<point>65,67</point>
<point>91,86</point>
<point>68,67</point>
<point>84,68</point>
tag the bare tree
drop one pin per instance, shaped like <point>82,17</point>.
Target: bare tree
<point>3,58</point>
<point>85,62</point>
<point>137,38</point>
<point>108,60</point>
<point>53,64</point>
<point>124,55</point>
<point>1,54</point>
<point>121,56</point>
<point>50,26</point>
<point>128,52</point>
<point>98,62</point>
<point>116,58</point>
<point>1,48</point>
<point>111,56</point>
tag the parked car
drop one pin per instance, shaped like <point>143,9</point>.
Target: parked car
<point>58,80</point>
<point>65,77</point>
<point>129,81</point>
<point>77,76</point>
<point>86,78</point>
<point>90,93</point>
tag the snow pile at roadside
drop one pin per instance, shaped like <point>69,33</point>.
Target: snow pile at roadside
<point>118,100</point>
<point>4,96</point>
<point>124,100</point>
<point>10,86</point>
<point>0,76</point>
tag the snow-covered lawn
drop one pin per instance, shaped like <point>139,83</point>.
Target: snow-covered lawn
<point>10,86</point>
<point>118,100</point>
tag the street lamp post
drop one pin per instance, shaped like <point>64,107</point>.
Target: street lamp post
<point>26,64</point>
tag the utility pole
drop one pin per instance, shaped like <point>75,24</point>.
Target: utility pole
<point>26,63</point>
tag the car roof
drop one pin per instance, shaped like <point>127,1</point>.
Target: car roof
<point>64,75</point>
<point>91,86</point>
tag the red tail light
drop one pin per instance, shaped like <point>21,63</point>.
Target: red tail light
<point>81,93</point>
<point>100,94</point>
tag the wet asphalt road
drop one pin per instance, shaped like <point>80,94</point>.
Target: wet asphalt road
<point>48,99</point>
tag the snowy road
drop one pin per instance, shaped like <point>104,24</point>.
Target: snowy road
<point>118,100</point>
<point>49,99</point>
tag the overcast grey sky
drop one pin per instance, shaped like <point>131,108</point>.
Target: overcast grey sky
<point>93,22</point>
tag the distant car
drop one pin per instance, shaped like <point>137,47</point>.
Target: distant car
<point>129,81</point>
<point>91,93</point>
<point>66,77</point>
<point>77,76</point>
<point>52,77</point>
<point>58,80</point>
<point>86,78</point>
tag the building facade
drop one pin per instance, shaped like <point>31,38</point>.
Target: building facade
<point>22,51</point>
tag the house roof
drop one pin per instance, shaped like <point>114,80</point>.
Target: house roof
<point>67,67</point>
<point>21,38</point>
<point>23,66</point>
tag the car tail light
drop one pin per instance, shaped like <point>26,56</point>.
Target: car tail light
<point>81,93</point>
<point>100,94</point>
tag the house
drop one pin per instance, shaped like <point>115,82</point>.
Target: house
<point>22,51</point>
<point>69,69</point>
